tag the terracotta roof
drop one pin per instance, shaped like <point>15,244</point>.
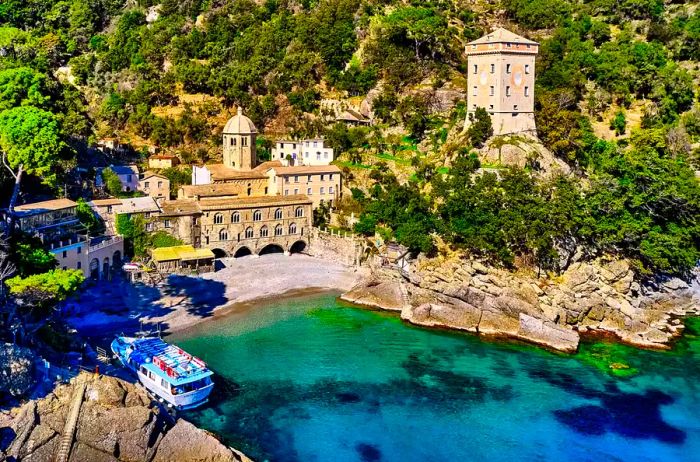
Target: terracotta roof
<point>502,35</point>
<point>105,202</point>
<point>211,190</point>
<point>152,174</point>
<point>265,166</point>
<point>179,207</point>
<point>352,115</point>
<point>36,208</point>
<point>306,169</point>
<point>221,172</point>
<point>246,202</point>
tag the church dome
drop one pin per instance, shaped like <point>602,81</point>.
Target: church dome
<point>239,125</point>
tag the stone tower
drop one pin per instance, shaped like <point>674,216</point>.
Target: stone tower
<point>502,80</point>
<point>239,142</point>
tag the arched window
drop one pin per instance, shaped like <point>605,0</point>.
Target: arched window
<point>218,219</point>
<point>257,215</point>
<point>233,141</point>
<point>235,217</point>
<point>278,230</point>
<point>293,228</point>
<point>249,233</point>
<point>263,231</point>
<point>299,212</point>
<point>244,141</point>
<point>278,214</point>
<point>223,235</point>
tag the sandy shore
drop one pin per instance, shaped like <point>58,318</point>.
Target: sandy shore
<point>183,301</point>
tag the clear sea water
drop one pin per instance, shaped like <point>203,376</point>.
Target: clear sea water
<point>312,379</point>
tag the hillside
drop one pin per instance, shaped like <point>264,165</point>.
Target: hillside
<point>616,103</point>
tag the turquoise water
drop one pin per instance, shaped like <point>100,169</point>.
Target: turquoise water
<point>309,379</point>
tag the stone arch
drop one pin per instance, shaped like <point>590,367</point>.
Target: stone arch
<point>117,260</point>
<point>298,247</point>
<point>105,268</point>
<point>271,248</point>
<point>219,253</point>
<point>242,252</point>
<point>95,269</point>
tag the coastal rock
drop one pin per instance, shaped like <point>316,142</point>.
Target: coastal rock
<point>589,296</point>
<point>116,423</point>
<point>16,365</point>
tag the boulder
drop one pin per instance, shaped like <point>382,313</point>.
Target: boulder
<point>186,442</point>
<point>548,334</point>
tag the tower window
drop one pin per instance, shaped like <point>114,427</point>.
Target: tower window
<point>491,90</point>
<point>474,91</point>
<point>493,68</point>
<point>527,67</point>
<point>507,68</point>
<point>527,91</point>
<point>508,91</point>
<point>491,107</point>
<point>244,141</point>
<point>476,68</point>
<point>233,141</point>
<point>515,107</point>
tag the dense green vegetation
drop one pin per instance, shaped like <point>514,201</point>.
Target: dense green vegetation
<point>616,98</point>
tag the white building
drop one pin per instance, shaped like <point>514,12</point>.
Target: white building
<point>128,175</point>
<point>302,152</point>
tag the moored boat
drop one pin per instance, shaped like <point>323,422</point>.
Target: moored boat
<point>178,378</point>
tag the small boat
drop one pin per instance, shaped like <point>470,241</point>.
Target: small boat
<point>174,376</point>
<point>130,267</point>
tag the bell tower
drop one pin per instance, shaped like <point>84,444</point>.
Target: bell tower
<point>239,138</point>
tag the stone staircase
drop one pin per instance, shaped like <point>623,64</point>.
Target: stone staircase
<point>64,446</point>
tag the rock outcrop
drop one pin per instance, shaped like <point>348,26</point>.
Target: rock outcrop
<point>16,370</point>
<point>599,296</point>
<point>116,423</point>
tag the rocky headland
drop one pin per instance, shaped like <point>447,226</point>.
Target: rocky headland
<point>116,422</point>
<point>592,297</point>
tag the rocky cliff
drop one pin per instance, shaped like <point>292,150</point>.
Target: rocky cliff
<point>116,423</point>
<point>599,296</point>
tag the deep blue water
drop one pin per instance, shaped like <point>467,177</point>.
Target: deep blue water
<point>310,379</point>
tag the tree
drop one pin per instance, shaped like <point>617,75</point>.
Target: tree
<point>88,218</point>
<point>22,86</point>
<point>618,123</point>
<point>480,127</point>
<point>47,288</point>
<point>30,140</point>
<point>30,257</point>
<point>111,181</point>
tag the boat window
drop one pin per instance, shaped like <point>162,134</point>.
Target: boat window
<point>163,383</point>
<point>143,370</point>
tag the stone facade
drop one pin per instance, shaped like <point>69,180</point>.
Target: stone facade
<point>160,161</point>
<point>501,79</point>
<point>155,185</point>
<point>239,142</point>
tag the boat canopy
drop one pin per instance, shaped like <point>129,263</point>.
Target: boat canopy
<point>168,361</point>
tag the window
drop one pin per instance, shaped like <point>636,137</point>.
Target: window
<point>507,68</point>
<point>527,66</point>
<point>507,45</point>
<point>306,154</point>
<point>299,212</point>
<point>474,91</point>
<point>257,215</point>
<point>296,191</point>
<point>79,265</point>
<point>527,91</point>
<point>508,91</point>
<point>318,155</point>
<point>323,190</point>
<point>244,141</point>
<point>278,214</point>
<point>323,177</point>
<point>515,107</point>
<point>65,253</point>
<point>491,107</point>
<point>492,90</point>
<point>109,209</point>
<point>476,68</point>
<point>79,249</point>
<point>286,192</point>
<point>314,144</point>
<point>309,178</point>
<point>330,190</point>
<point>147,185</point>
<point>218,219</point>
<point>149,227</point>
<point>166,223</point>
<point>263,231</point>
<point>493,68</point>
<point>308,191</point>
<point>233,141</point>
<point>325,155</point>
<point>286,179</point>
<point>294,145</point>
<point>278,230</point>
<point>235,217</point>
<point>223,235</point>
<point>281,145</point>
<point>248,232</point>
<point>474,106</point>
<point>160,184</point>
<point>128,178</point>
<point>296,178</point>
<point>330,177</point>
<point>293,228</point>
<point>266,190</point>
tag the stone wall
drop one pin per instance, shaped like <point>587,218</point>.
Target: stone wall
<point>339,247</point>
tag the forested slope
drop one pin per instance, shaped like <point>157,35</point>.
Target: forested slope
<point>616,98</point>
